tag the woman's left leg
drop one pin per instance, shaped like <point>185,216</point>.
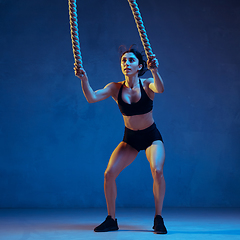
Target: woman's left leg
<point>156,157</point>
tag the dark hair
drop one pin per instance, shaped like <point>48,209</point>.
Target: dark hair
<point>139,56</point>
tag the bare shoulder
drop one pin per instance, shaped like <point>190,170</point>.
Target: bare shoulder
<point>114,86</point>
<point>146,82</point>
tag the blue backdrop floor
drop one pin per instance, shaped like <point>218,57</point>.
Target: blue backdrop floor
<point>74,224</point>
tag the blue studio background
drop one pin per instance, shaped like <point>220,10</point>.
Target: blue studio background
<point>54,146</point>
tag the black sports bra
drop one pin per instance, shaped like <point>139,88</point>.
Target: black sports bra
<point>144,105</point>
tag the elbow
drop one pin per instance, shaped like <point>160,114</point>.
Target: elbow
<point>161,90</point>
<point>90,101</point>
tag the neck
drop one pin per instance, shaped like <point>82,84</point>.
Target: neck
<point>131,81</point>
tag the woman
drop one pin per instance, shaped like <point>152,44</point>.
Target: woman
<point>134,97</point>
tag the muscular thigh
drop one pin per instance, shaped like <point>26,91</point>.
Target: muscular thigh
<point>121,157</point>
<point>156,155</point>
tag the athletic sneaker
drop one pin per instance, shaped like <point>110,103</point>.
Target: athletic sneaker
<point>159,226</point>
<point>108,225</point>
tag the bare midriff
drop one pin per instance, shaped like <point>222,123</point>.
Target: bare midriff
<point>138,122</point>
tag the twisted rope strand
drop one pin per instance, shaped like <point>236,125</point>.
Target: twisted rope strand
<point>75,38</point>
<point>141,29</point>
<point>74,33</point>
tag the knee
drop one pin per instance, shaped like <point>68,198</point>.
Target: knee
<point>157,174</point>
<point>109,175</point>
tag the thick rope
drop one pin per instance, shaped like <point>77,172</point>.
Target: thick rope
<point>74,33</point>
<point>75,38</point>
<point>141,29</point>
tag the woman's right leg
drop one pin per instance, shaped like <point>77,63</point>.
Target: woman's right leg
<point>121,157</point>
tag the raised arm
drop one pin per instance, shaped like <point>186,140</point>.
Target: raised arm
<point>90,95</point>
<point>157,85</point>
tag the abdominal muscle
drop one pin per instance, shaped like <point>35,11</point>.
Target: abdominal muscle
<point>138,122</point>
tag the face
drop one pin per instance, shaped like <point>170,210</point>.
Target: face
<point>130,64</point>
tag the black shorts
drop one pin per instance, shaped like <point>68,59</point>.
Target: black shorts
<point>142,139</point>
